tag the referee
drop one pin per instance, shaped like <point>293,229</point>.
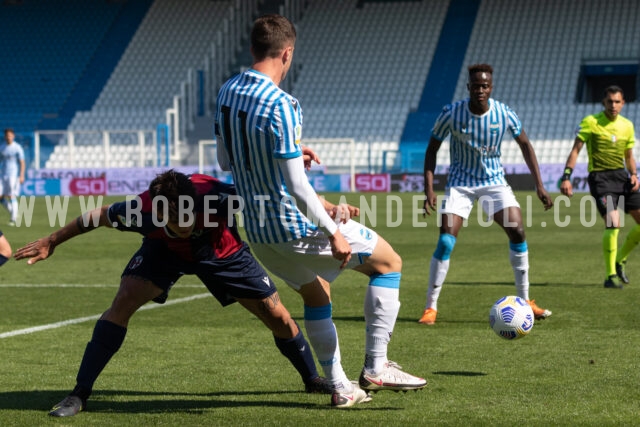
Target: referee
<point>613,179</point>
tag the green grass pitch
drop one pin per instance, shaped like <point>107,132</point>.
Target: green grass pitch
<point>194,363</point>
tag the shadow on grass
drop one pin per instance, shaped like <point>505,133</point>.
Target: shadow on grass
<point>144,401</point>
<point>486,282</point>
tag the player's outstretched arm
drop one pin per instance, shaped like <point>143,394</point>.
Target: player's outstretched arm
<point>429,168</point>
<point>43,248</point>
<point>630,163</point>
<point>566,187</point>
<point>532,163</point>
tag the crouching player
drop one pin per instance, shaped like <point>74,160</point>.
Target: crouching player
<point>186,230</point>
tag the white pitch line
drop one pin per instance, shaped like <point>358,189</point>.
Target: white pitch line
<point>95,317</point>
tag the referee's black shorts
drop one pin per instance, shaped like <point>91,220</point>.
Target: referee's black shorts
<point>611,189</point>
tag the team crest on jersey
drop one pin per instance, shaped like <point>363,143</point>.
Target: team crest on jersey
<point>294,104</point>
<point>135,263</point>
<point>614,139</point>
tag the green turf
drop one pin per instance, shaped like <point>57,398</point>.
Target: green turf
<point>195,363</point>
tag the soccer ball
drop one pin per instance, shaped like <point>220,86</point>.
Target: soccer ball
<point>511,317</point>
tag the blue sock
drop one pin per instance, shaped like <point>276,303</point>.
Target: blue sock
<point>298,351</point>
<point>105,342</point>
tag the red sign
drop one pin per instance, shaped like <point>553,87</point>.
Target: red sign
<point>380,182</point>
<point>88,186</point>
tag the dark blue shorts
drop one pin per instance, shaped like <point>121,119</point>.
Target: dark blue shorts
<point>237,276</point>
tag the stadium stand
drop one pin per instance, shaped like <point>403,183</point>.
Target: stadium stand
<point>362,80</point>
<point>362,67</point>
<point>537,72</point>
<point>45,46</point>
<point>171,39</point>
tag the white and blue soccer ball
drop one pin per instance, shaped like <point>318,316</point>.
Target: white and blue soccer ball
<point>511,317</point>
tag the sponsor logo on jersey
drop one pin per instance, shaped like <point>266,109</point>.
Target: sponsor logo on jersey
<point>298,133</point>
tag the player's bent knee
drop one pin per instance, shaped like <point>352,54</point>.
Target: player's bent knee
<point>384,258</point>
<point>516,234</point>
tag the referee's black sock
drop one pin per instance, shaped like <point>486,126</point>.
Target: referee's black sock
<point>298,351</point>
<point>105,342</point>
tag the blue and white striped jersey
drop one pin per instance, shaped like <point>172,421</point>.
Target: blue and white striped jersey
<point>258,123</point>
<point>475,142</point>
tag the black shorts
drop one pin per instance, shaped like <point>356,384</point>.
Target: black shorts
<point>237,276</point>
<point>608,188</point>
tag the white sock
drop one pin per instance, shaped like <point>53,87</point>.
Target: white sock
<point>520,264</point>
<point>14,209</point>
<point>438,270</point>
<point>381,307</point>
<point>323,336</point>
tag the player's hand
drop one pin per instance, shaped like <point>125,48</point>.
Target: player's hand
<point>309,156</point>
<point>344,212</point>
<point>545,198</point>
<point>430,203</point>
<point>635,184</point>
<point>35,251</point>
<point>566,188</point>
<point>340,248</point>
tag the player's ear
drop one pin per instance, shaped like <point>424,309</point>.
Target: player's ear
<point>287,54</point>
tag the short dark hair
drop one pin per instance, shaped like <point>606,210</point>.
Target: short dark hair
<point>9,130</point>
<point>171,185</point>
<point>270,34</point>
<point>613,89</point>
<point>480,68</point>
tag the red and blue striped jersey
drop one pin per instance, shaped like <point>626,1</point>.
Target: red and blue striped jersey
<point>212,237</point>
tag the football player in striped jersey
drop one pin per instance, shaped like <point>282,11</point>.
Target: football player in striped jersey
<point>477,126</point>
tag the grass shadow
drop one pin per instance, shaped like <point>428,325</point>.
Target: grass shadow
<point>149,402</point>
